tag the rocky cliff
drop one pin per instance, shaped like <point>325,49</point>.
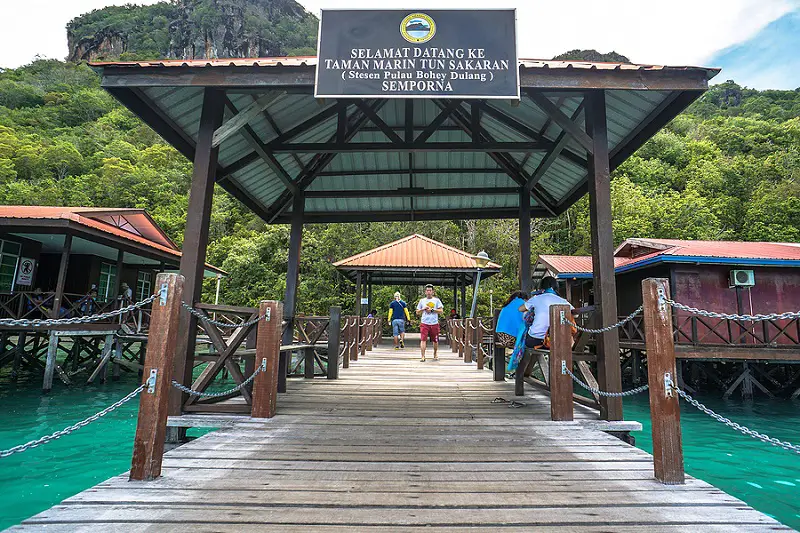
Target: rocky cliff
<point>193,29</point>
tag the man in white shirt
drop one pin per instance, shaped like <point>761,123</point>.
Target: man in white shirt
<point>539,304</point>
<point>429,309</point>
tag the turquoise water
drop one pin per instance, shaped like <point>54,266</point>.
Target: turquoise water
<point>765,477</point>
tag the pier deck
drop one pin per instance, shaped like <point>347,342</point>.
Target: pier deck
<point>400,445</point>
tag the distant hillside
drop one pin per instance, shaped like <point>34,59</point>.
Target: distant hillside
<point>591,55</point>
<point>768,60</point>
<point>193,29</point>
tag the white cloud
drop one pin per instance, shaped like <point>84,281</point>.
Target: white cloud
<point>676,32</point>
<point>38,27</point>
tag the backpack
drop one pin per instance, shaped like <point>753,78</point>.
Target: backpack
<point>572,331</point>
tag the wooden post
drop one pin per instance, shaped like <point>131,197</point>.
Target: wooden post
<point>50,364</point>
<point>348,340</point>
<point>268,345</point>
<point>151,428</point>
<point>463,297</point>
<point>196,238</point>
<point>468,338</point>
<point>118,281</point>
<point>62,276</point>
<point>334,331</point>
<point>460,337</point>
<point>561,406</point>
<point>479,342</point>
<point>292,278</point>
<point>609,372</point>
<point>364,335</point>
<point>499,356</point>
<point>354,338</point>
<point>664,406</point>
<point>358,294</point>
<point>452,328</point>
<point>525,279</point>
<point>370,334</point>
<point>308,363</point>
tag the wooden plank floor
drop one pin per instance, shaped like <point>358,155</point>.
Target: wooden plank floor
<point>400,445</point>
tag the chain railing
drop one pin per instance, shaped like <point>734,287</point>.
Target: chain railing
<point>219,324</point>
<point>69,429</point>
<point>593,390</point>
<point>714,314</point>
<point>47,322</point>
<point>237,388</point>
<point>733,425</point>
<point>604,329</point>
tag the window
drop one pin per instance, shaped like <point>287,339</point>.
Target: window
<point>9,257</point>
<point>108,278</point>
<point>143,286</point>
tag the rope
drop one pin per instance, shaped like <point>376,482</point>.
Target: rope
<point>637,390</point>
<point>24,322</point>
<point>738,427</point>
<point>237,388</point>
<point>713,314</point>
<point>621,323</point>
<point>69,429</point>
<point>204,317</point>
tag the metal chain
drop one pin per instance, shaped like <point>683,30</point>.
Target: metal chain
<point>74,427</point>
<point>738,427</point>
<point>619,324</point>
<point>38,322</point>
<point>713,314</point>
<point>217,323</point>
<point>237,388</point>
<point>599,392</point>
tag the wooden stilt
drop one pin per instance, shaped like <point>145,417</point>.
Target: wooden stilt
<point>151,428</point>
<point>664,406</point>
<point>50,366</point>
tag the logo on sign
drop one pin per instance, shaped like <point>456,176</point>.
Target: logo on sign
<point>418,28</point>
<point>25,272</point>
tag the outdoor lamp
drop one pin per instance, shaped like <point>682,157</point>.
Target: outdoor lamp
<point>481,260</point>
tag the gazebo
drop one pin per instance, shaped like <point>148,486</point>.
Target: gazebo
<point>413,260</point>
<point>254,127</point>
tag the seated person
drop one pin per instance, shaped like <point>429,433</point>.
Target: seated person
<point>510,321</point>
<point>540,306</point>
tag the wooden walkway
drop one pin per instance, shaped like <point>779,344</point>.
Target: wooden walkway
<point>400,445</point>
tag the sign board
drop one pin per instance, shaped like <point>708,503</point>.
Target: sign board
<point>25,271</point>
<point>364,301</point>
<point>436,53</point>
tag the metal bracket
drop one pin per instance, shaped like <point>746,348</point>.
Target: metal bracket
<point>563,318</point>
<point>268,315</point>
<point>151,381</point>
<point>163,294</point>
<point>662,304</point>
<point>563,363</point>
<point>668,384</point>
<point>264,365</point>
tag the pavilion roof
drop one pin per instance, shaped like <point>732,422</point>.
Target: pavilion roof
<point>401,158</point>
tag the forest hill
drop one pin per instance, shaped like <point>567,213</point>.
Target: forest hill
<point>412,64</point>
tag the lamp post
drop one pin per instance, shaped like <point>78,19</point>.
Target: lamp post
<point>481,260</point>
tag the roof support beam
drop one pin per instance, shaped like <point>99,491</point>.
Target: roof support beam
<point>403,171</point>
<point>334,147</point>
<point>414,192</point>
<point>241,118</point>
<point>561,141</point>
<point>445,112</point>
<point>561,119</point>
<point>378,121</point>
<point>308,123</point>
<point>252,139</point>
<point>277,130</point>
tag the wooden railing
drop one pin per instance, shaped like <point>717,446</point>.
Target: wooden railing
<point>471,337</point>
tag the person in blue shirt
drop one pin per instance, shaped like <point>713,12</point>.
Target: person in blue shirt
<point>510,320</point>
<point>398,315</point>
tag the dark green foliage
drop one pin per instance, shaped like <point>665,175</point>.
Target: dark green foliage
<point>591,55</point>
<point>727,168</point>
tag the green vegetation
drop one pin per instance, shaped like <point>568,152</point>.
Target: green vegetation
<point>727,168</point>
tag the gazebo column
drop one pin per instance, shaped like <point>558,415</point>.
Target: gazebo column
<point>463,296</point>
<point>292,278</point>
<point>195,241</point>
<point>609,374</point>
<point>455,292</point>
<point>525,240</point>
<point>357,304</point>
<point>369,293</point>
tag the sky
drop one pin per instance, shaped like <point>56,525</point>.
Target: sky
<point>678,32</point>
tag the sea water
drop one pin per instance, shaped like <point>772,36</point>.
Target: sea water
<point>764,476</point>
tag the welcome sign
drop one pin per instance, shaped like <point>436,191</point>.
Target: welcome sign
<point>417,54</point>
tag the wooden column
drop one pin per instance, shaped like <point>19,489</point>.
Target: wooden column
<point>50,363</point>
<point>664,406</point>
<point>195,240</point>
<point>151,428</point>
<point>308,363</point>
<point>468,339</point>
<point>62,275</point>
<point>605,292</point>
<point>292,278</point>
<point>334,334</point>
<point>561,407</point>
<point>499,355</point>
<point>455,293</point>
<point>118,278</point>
<point>356,332</point>
<point>348,339</point>
<point>268,345</point>
<point>463,296</point>
<point>525,240</point>
<point>357,303</point>
<point>478,343</point>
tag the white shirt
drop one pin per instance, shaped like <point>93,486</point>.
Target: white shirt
<point>541,307</point>
<point>430,318</point>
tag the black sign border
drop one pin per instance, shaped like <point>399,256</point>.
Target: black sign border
<point>421,96</point>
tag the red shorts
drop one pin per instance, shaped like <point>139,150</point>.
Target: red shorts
<point>429,331</point>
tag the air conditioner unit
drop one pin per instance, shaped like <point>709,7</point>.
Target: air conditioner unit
<point>742,278</point>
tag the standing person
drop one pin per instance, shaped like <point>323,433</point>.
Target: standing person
<point>429,309</point>
<point>398,315</point>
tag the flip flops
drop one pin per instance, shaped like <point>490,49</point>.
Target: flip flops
<point>511,403</point>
